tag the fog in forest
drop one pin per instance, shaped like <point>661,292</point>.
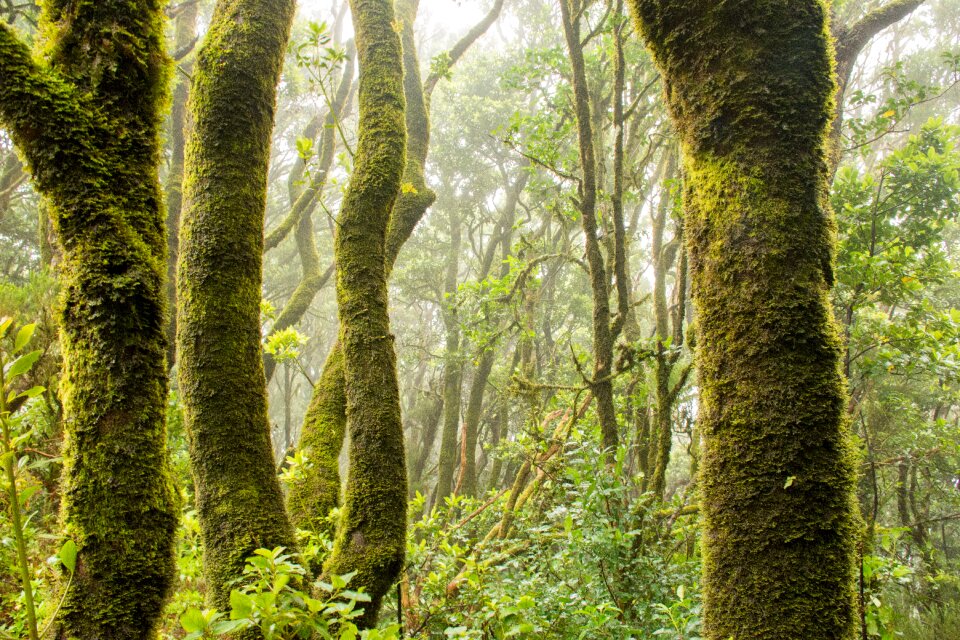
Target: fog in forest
<point>480,319</point>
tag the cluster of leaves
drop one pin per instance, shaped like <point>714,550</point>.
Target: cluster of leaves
<point>590,557</point>
<point>278,601</point>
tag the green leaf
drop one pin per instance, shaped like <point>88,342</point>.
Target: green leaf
<point>32,392</point>
<point>21,365</point>
<point>789,482</point>
<point>304,147</point>
<point>23,336</point>
<point>228,626</point>
<point>68,555</point>
<point>5,326</point>
<point>193,620</point>
<point>241,605</point>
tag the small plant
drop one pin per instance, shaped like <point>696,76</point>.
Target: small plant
<point>14,435</point>
<point>276,601</point>
<point>681,617</point>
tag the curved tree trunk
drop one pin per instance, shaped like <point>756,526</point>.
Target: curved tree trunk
<point>371,535</point>
<point>87,122</point>
<point>750,90</point>
<point>313,495</point>
<point>239,502</point>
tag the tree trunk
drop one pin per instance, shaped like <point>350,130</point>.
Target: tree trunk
<point>452,367</point>
<point>185,36</point>
<point>239,502</point>
<point>602,383</point>
<point>87,122</point>
<point>750,90</point>
<point>371,535</point>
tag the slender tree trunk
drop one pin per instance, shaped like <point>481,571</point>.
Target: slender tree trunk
<point>186,34</point>
<point>318,487</point>
<point>452,366</point>
<point>750,90</point>
<point>87,121</point>
<point>602,384</point>
<point>371,535</point>
<point>850,40</point>
<point>239,502</point>
<point>481,374</point>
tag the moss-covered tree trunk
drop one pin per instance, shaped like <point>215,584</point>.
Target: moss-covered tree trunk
<point>603,337</point>
<point>750,88</point>
<point>239,501</point>
<point>184,39</point>
<point>87,121</point>
<point>371,536</point>
<point>314,494</point>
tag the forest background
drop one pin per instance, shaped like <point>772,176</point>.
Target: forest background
<point>518,523</point>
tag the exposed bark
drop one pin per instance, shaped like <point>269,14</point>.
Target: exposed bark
<point>750,91</point>
<point>452,366</point>
<point>481,373</point>
<point>371,534</point>
<point>87,122</point>
<point>239,502</point>
<point>463,45</point>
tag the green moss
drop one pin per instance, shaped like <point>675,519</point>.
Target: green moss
<point>239,502</point>
<point>371,537</point>
<point>324,425</point>
<point>750,89</point>
<point>87,124</point>
<point>310,499</point>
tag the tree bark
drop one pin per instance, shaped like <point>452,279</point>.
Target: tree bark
<point>750,90</point>
<point>602,383</point>
<point>87,122</point>
<point>452,367</point>
<point>371,535</point>
<point>324,423</point>
<point>239,502</point>
<point>186,35</point>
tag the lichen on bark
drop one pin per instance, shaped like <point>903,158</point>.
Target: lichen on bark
<point>750,89</point>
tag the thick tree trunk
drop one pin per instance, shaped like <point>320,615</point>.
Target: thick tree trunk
<point>750,90</point>
<point>371,535</point>
<point>239,502</point>
<point>87,123</point>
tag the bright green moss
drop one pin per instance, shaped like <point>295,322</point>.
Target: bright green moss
<point>311,498</point>
<point>87,124</point>
<point>239,502</point>
<point>750,89</point>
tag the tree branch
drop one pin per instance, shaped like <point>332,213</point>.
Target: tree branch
<point>461,47</point>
